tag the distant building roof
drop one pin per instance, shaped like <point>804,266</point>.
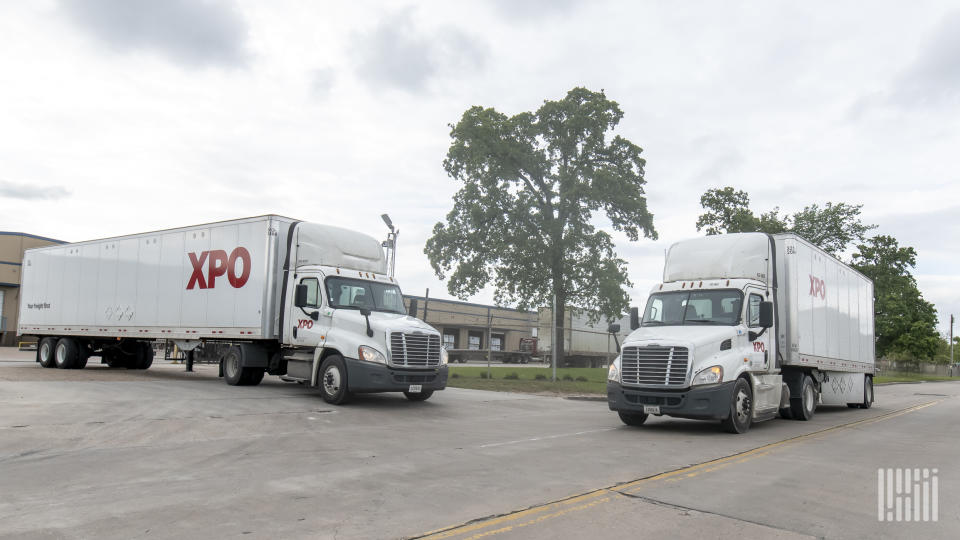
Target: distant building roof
<point>11,233</point>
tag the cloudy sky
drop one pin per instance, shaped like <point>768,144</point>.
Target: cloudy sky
<point>122,116</point>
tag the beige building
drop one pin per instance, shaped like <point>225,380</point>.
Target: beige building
<point>464,325</point>
<point>12,246</point>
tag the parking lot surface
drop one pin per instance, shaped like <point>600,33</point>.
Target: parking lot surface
<point>112,453</point>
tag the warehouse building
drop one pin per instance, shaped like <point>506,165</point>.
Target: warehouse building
<point>12,246</point>
<point>465,326</point>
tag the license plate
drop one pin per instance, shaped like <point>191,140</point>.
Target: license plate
<point>651,409</point>
<point>417,388</point>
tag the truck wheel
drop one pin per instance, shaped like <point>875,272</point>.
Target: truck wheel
<point>785,413</point>
<point>333,380</point>
<point>741,408</point>
<point>419,396</point>
<point>633,419</point>
<point>867,393</point>
<point>113,358</point>
<point>803,406</point>
<point>67,353</point>
<point>251,376</point>
<point>143,357</point>
<point>232,372</point>
<point>46,352</point>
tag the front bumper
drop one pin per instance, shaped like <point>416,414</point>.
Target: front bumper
<point>708,402</point>
<point>366,377</point>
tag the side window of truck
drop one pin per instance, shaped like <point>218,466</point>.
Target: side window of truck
<point>313,291</point>
<point>753,310</point>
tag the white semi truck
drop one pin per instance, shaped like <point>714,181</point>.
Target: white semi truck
<point>745,327</point>
<point>313,303</point>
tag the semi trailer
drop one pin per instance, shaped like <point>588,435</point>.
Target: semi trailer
<point>744,328</point>
<point>312,303</point>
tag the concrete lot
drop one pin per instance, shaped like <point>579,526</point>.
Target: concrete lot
<point>103,453</point>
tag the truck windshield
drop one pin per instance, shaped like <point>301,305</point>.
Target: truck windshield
<point>346,293</point>
<point>716,307</point>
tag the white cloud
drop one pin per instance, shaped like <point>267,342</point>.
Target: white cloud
<point>29,192</point>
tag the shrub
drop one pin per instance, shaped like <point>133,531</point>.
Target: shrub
<point>512,375</point>
<point>454,375</point>
<point>483,375</point>
<point>581,378</point>
<point>567,377</point>
<point>540,377</point>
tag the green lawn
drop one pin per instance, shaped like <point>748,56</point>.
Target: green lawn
<point>911,377</point>
<point>471,377</point>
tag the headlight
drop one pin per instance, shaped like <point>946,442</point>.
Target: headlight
<point>371,355</point>
<point>613,374</point>
<point>711,375</point>
<point>443,356</point>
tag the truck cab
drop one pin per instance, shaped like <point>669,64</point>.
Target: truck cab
<point>350,333</point>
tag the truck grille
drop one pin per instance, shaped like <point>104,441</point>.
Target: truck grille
<point>654,366</point>
<point>414,350</point>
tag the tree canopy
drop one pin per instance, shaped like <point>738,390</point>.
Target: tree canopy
<point>905,323</point>
<point>832,227</point>
<point>533,186</point>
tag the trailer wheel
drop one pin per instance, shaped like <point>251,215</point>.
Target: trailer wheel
<point>803,406</point>
<point>867,393</point>
<point>633,419</point>
<point>46,352</point>
<point>143,357</point>
<point>419,396</point>
<point>67,353</point>
<point>741,408</point>
<point>113,358</point>
<point>333,380</point>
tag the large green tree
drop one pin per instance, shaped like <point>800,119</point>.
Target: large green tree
<point>905,323</point>
<point>525,217</point>
<point>832,227</point>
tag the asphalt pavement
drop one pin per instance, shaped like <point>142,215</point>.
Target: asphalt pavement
<point>111,453</point>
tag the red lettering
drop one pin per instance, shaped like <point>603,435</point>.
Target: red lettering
<point>244,256</point>
<point>196,278</point>
<point>216,267</point>
<point>759,346</point>
<point>818,287</point>
<point>305,323</point>
<point>219,264</point>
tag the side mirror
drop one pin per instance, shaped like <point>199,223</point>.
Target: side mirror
<point>614,328</point>
<point>300,296</point>
<point>634,318</point>
<point>766,314</point>
<point>365,312</point>
<point>413,308</point>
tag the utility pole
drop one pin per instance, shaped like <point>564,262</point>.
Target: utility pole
<point>489,352</point>
<point>426,300</point>
<point>553,337</point>
<point>951,339</point>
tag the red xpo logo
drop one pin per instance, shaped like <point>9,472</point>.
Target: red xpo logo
<point>219,263</point>
<point>818,287</point>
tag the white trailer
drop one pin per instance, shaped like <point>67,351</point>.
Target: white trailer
<point>746,326</point>
<point>585,343</point>
<point>311,302</point>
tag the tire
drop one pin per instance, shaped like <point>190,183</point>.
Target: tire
<point>867,393</point>
<point>803,406</point>
<point>785,413</point>
<point>251,376</point>
<point>741,408</point>
<point>46,352</point>
<point>633,419</point>
<point>332,380</point>
<point>143,357</point>
<point>113,358</point>
<point>67,353</point>
<point>232,370</point>
<point>419,396</point>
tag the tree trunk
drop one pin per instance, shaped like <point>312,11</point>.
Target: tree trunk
<point>558,317</point>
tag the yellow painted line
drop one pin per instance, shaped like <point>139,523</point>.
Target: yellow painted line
<point>556,508</point>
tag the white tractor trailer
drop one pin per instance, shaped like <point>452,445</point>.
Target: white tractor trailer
<point>313,303</point>
<point>746,327</point>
